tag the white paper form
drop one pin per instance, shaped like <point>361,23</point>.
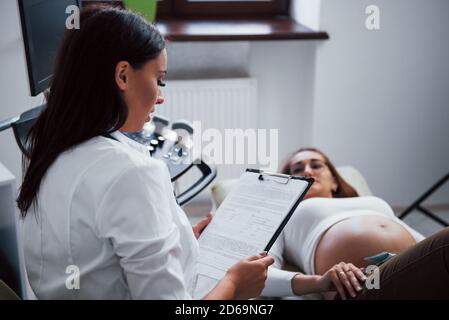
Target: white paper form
<point>244,224</point>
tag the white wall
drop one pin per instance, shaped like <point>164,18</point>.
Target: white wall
<point>14,90</point>
<point>285,71</point>
<point>307,12</point>
<point>382,98</point>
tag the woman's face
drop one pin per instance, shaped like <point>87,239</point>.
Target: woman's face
<point>312,164</point>
<point>140,90</point>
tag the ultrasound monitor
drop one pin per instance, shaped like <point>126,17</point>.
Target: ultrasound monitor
<point>43,25</point>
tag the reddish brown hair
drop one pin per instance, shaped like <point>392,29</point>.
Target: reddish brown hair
<point>344,189</point>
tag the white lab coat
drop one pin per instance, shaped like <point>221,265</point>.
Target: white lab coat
<point>108,210</point>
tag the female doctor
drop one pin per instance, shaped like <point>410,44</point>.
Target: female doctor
<point>100,217</point>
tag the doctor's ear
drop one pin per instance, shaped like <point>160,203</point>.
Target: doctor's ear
<point>121,74</point>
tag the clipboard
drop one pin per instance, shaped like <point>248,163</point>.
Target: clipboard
<point>285,179</point>
<point>248,221</point>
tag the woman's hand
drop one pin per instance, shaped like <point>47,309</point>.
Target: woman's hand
<point>199,227</point>
<point>340,277</point>
<point>248,276</point>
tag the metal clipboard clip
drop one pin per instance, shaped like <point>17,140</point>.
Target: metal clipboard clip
<point>265,176</point>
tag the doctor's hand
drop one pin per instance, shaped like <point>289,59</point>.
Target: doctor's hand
<point>343,277</point>
<point>199,227</point>
<point>248,276</point>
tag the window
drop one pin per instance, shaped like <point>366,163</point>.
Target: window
<point>223,20</point>
<point>223,8</point>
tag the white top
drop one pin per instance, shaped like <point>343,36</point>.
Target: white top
<point>298,242</point>
<point>107,208</point>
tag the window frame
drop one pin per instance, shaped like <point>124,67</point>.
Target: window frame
<point>182,25</point>
<point>215,9</point>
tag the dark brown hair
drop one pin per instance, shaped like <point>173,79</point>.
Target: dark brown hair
<point>344,189</point>
<point>84,100</point>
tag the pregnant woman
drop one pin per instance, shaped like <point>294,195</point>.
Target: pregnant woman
<point>334,224</point>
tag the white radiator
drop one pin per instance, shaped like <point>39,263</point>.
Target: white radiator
<point>218,103</point>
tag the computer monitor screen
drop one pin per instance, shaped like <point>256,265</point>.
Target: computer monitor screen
<point>43,25</point>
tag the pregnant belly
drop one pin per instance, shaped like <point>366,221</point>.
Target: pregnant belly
<point>352,239</point>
